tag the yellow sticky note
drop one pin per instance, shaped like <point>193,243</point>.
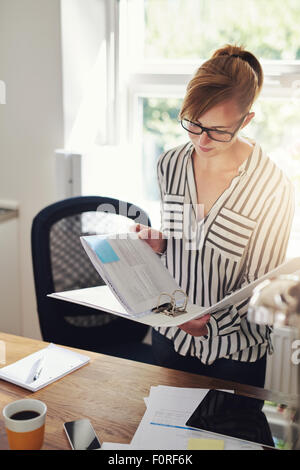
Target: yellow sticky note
<point>205,444</point>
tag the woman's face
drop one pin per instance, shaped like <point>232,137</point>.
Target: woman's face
<point>224,116</point>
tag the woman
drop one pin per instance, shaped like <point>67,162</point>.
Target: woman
<point>238,226</point>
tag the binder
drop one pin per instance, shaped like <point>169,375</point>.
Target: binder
<point>169,304</point>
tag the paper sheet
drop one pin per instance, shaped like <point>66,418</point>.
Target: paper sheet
<point>125,256</point>
<point>163,424</point>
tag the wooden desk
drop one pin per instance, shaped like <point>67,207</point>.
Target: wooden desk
<point>109,391</point>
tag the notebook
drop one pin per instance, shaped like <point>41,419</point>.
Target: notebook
<point>43,367</point>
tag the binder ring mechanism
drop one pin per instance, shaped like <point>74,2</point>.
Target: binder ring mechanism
<point>175,306</point>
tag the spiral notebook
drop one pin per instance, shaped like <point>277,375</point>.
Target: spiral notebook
<point>43,367</point>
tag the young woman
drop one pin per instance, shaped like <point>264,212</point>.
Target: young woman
<point>226,216</point>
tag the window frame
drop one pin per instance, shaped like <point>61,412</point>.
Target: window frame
<point>139,78</point>
<point>169,78</point>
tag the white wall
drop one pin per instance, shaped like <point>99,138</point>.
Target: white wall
<point>10,310</point>
<point>84,54</point>
<point>31,123</point>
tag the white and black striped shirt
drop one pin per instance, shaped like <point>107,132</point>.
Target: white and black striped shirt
<point>244,235</point>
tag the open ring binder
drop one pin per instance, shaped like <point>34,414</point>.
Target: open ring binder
<point>174,307</point>
<point>114,258</point>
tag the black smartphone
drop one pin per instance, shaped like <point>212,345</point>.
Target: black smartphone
<point>81,435</point>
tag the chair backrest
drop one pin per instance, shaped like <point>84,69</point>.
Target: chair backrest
<point>60,262</point>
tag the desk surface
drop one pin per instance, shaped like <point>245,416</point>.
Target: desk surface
<point>109,391</point>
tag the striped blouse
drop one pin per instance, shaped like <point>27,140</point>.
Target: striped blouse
<point>244,235</point>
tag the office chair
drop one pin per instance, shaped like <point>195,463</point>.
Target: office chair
<point>60,263</point>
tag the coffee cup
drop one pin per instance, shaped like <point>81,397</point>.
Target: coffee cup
<point>25,424</point>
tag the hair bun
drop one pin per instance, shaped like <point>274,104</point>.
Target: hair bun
<point>222,78</point>
<point>239,51</point>
<point>229,50</point>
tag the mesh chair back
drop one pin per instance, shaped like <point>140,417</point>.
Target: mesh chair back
<point>60,263</point>
<point>71,267</point>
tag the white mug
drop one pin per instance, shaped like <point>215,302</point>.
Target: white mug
<point>24,433</point>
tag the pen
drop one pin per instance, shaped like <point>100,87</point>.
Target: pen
<point>39,369</point>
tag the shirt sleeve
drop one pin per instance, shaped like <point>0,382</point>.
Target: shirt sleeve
<point>266,250</point>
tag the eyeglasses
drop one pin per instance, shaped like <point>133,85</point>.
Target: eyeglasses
<point>213,134</point>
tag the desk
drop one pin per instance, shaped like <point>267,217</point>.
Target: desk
<point>109,391</point>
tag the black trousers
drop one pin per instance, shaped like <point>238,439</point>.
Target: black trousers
<point>250,373</point>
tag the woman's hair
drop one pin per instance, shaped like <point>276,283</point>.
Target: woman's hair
<point>231,72</point>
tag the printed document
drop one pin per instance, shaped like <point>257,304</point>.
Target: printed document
<point>163,424</point>
<point>131,268</point>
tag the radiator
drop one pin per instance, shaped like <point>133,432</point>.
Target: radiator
<point>68,174</point>
<point>281,373</point>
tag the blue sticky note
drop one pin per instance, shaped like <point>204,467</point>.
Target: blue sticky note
<point>103,250</point>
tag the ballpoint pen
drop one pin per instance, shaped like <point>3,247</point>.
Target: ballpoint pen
<point>39,369</point>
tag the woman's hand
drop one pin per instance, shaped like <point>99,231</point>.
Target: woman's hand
<point>196,327</point>
<point>153,237</point>
<point>155,240</point>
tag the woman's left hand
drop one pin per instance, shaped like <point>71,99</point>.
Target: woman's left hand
<point>196,327</point>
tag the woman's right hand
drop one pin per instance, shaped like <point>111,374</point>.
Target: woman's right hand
<point>154,238</point>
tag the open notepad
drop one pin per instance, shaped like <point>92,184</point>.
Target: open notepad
<point>138,284</point>
<point>43,367</point>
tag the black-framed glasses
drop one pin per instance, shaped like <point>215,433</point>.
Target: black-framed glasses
<point>213,134</point>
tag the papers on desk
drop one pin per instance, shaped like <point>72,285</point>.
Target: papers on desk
<point>163,424</point>
<point>43,367</point>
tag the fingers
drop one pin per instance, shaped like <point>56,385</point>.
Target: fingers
<point>199,321</point>
<point>196,327</point>
<point>205,318</point>
<point>138,228</point>
<point>203,331</point>
<point>145,234</point>
<point>133,228</point>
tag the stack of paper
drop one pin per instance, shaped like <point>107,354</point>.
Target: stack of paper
<point>163,424</point>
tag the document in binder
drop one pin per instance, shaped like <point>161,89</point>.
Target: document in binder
<point>139,287</point>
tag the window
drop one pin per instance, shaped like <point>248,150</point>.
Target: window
<point>191,29</point>
<point>164,41</point>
